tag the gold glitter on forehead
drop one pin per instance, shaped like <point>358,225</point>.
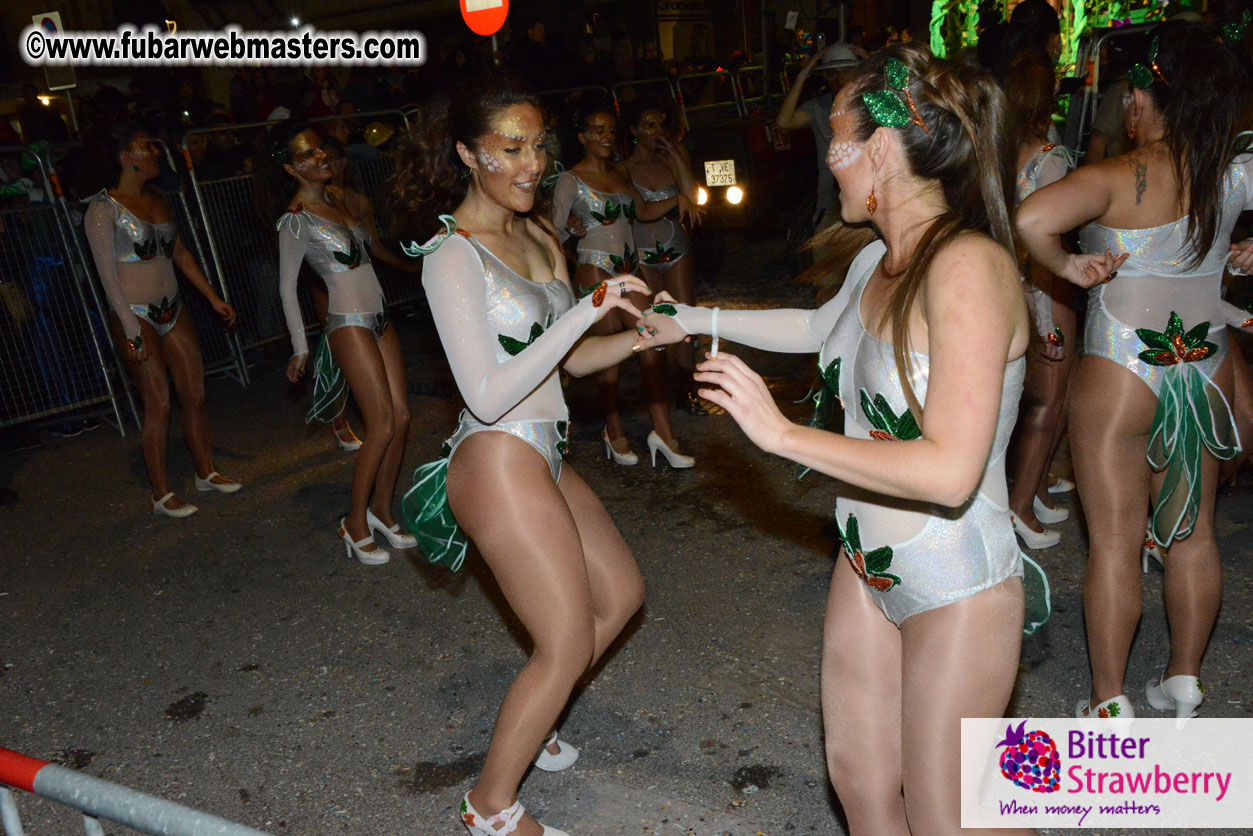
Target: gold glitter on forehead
<point>300,142</point>
<point>514,124</point>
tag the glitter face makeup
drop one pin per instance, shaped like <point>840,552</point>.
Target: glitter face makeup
<point>511,157</point>
<point>841,153</point>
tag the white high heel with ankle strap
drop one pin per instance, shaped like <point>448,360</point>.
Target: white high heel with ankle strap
<point>376,557</point>
<point>396,538</point>
<point>627,458</point>
<point>675,460</point>
<point>564,759</point>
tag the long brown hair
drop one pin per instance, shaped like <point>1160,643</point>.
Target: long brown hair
<point>1202,103</point>
<point>966,148</point>
<point>430,178</point>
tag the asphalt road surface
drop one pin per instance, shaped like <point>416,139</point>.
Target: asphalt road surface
<point>238,662</point>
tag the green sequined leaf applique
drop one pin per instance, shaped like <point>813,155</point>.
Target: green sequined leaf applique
<point>613,211</point>
<point>515,346</point>
<point>1141,77</point>
<point>871,568</point>
<point>825,401</point>
<point>627,263</point>
<point>888,426</point>
<point>167,246</point>
<point>147,250</point>
<point>665,310</point>
<point>1173,346</point>
<point>351,259</point>
<point>661,255</point>
<point>563,445</point>
<point>163,312</point>
<point>628,210</point>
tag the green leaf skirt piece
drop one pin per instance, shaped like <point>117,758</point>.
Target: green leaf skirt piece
<point>1038,604</point>
<point>1192,416</point>
<point>424,509</point>
<point>330,390</point>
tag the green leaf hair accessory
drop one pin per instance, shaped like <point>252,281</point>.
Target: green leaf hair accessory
<point>886,106</point>
<point>1142,76</point>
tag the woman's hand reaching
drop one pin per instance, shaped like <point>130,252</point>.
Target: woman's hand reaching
<point>743,394</point>
<point>296,367</point>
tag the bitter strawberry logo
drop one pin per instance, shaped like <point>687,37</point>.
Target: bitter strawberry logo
<point>1030,759</point>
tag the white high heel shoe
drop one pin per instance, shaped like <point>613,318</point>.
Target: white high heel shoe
<point>1182,693</point>
<point>376,557</point>
<point>348,441</point>
<point>564,759</point>
<point>1045,539</point>
<point>501,824</point>
<point>225,486</point>
<point>1061,486</point>
<point>627,458</point>
<point>676,460</point>
<point>162,510</point>
<point>396,538</point>
<point>1047,515</point>
<point>1118,707</point>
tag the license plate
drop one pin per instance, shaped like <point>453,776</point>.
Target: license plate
<point>720,173</point>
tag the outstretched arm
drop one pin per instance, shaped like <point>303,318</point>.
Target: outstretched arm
<point>785,330</point>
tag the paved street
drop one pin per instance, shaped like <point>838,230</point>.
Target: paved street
<point>238,662</point>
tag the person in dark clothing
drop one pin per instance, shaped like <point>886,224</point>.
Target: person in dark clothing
<point>39,121</point>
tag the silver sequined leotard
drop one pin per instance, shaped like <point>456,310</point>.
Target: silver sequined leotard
<point>1046,166</point>
<point>341,256</point>
<point>1157,280</point>
<point>133,258</point>
<point>914,556</point>
<point>606,218</point>
<point>504,336</point>
<point>662,242</point>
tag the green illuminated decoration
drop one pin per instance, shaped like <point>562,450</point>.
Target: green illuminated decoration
<point>955,23</point>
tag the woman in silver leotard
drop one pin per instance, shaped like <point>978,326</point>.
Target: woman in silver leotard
<point>359,349</point>
<point>599,193</point>
<point>660,171</point>
<point>135,244</point>
<point>1149,418</point>
<point>506,313</point>
<point>924,347</point>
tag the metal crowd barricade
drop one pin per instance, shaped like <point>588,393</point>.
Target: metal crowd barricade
<point>98,799</point>
<point>1079,119</point>
<point>709,114</point>
<point>644,88</point>
<point>220,349</point>
<point>54,344</point>
<point>771,85</point>
<point>242,247</point>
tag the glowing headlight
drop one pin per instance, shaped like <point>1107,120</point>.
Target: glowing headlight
<point>735,194</point>
<point>702,196</point>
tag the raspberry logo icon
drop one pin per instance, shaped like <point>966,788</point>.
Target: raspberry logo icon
<point>1030,759</point>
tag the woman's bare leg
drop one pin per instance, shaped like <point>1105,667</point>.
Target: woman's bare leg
<point>1065,318</point>
<point>1111,413</point>
<point>958,661</point>
<point>182,357</point>
<point>152,381</point>
<point>1241,407</point>
<point>1032,447</point>
<point>566,574</point>
<point>389,466</point>
<point>357,353</point>
<point>861,707</point>
<point>1194,574</point>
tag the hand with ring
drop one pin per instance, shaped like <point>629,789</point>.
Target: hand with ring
<point>604,302</point>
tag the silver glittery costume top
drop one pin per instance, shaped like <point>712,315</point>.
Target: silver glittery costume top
<point>504,335</point>
<point>339,254</point>
<point>606,219</point>
<point>1046,166</point>
<point>1157,278</point>
<point>132,256</point>
<point>912,556</point>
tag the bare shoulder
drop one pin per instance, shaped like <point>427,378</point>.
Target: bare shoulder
<point>972,266</point>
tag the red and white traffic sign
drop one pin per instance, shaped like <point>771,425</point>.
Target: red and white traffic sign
<point>484,17</point>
